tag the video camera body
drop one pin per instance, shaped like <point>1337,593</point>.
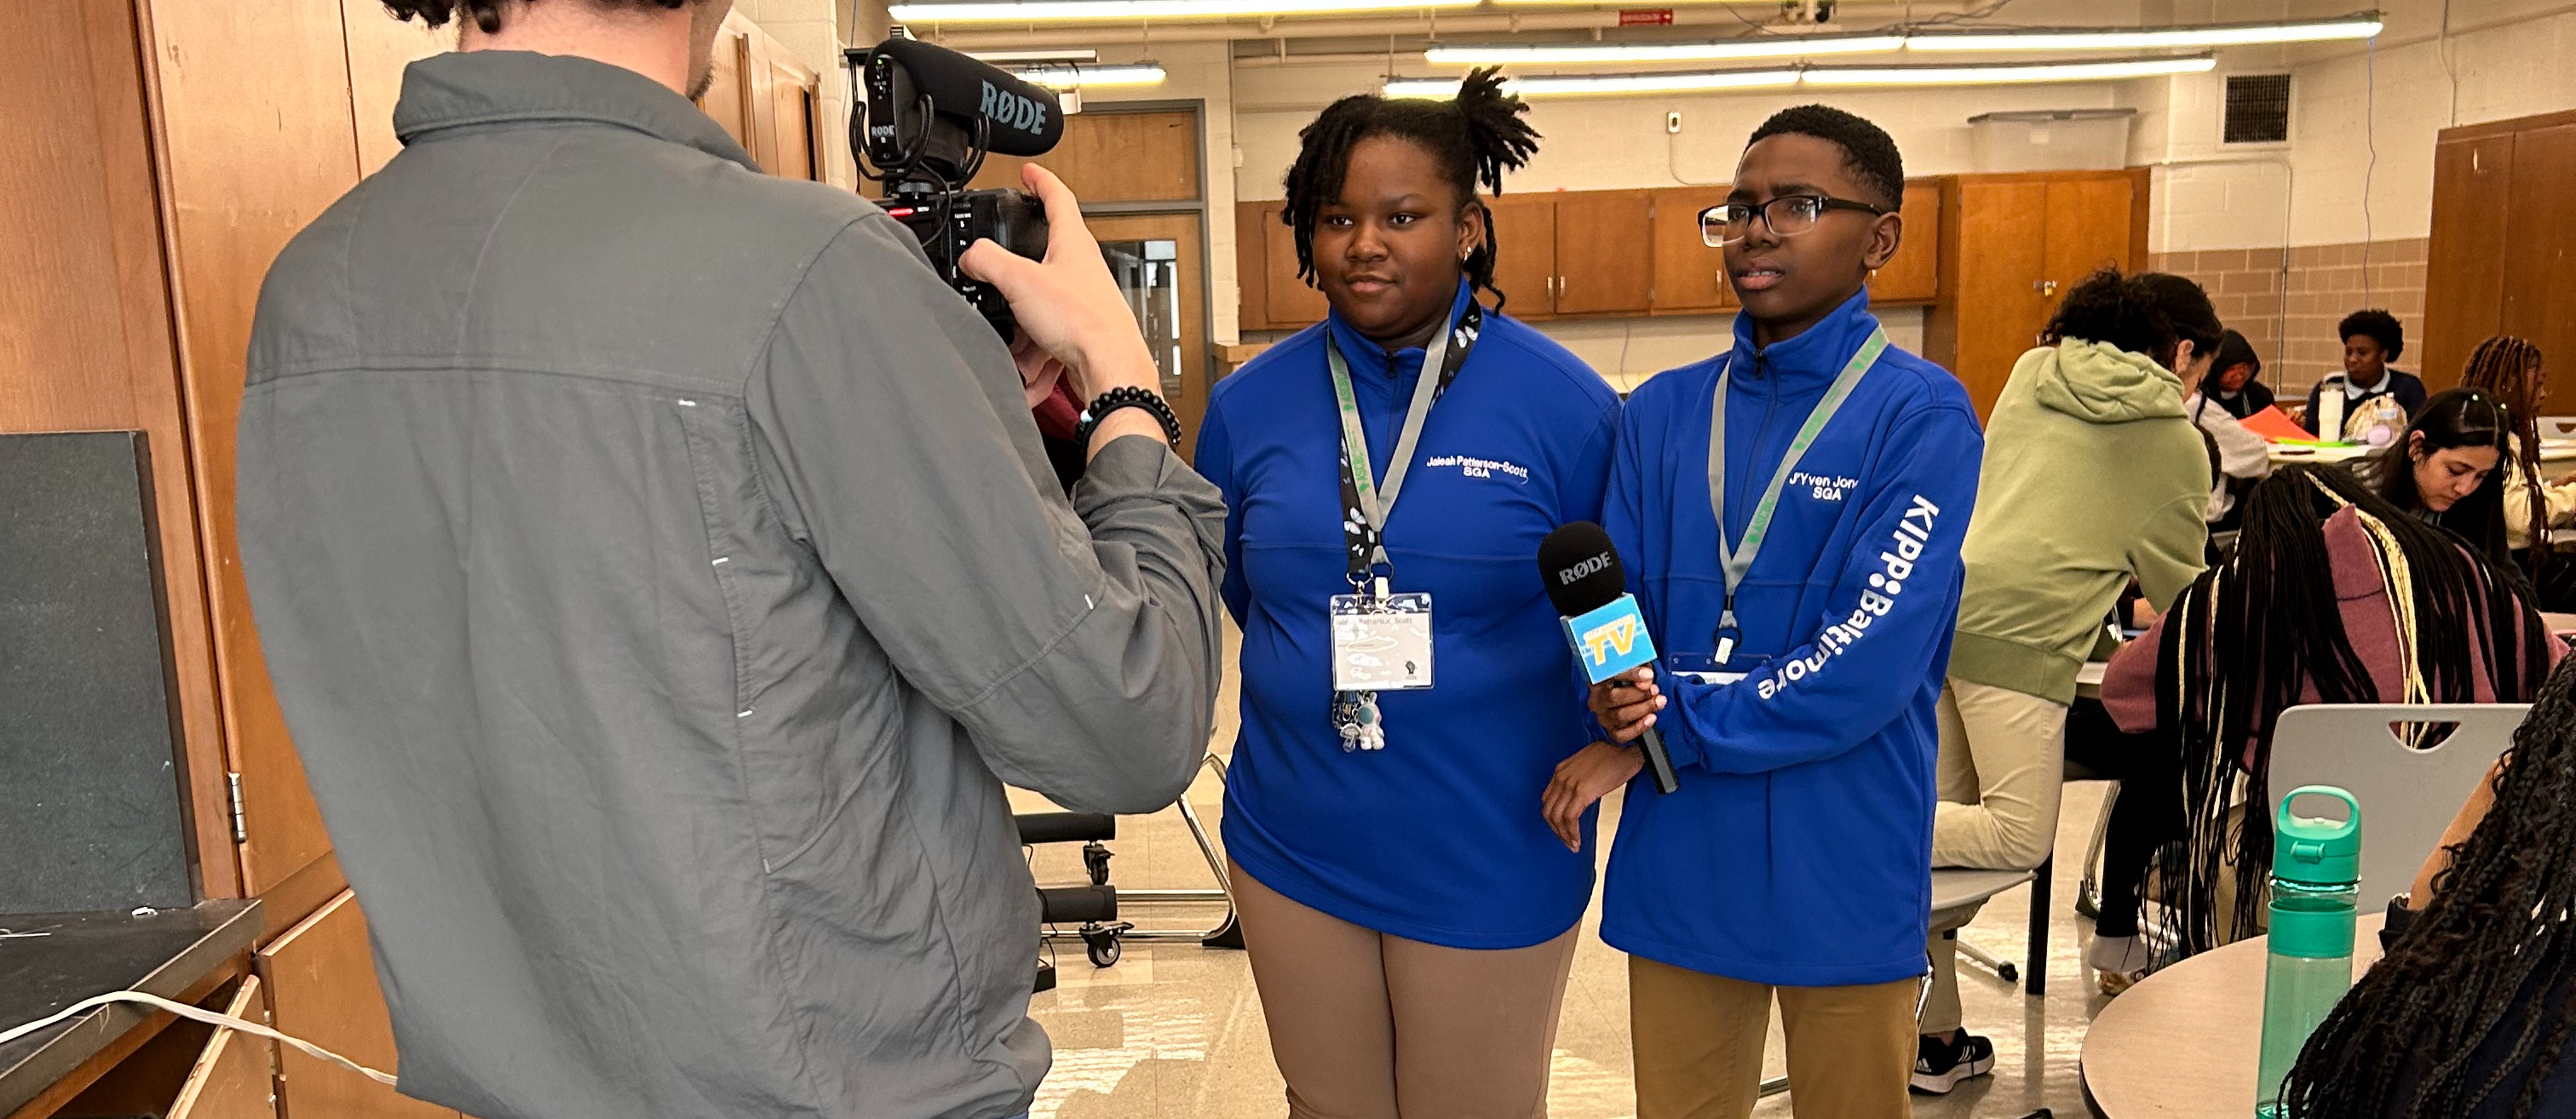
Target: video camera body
<point>926,118</point>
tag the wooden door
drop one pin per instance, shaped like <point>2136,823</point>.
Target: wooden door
<point>1913,274</point>
<point>1108,156</point>
<point>2464,284</point>
<point>256,144</point>
<point>1997,301</point>
<point>1251,267</point>
<point>728,95</point>
<point>1289,303</point>
<point>2539,270</point>
<point>235,1075</point>
<point>2087,230</point>
<point>1525,253</point>
<point>794,120</point>
<point>1689,275</point>
<point>1174,318</point>
<point>321,978</point>
<point>1604,256</point>
<point>380,47</point>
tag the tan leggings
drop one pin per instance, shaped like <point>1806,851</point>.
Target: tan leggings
<point>1698,1040</point>
<point>1370,1026</point>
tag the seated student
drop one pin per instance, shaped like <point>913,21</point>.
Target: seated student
<point>1794,861</point>
<point>2468,1013</point>
<point>2446,471</point>
<point>2508,369</point>
<point>2094,475</point>
<point>2238,458</point>
<point>2303,613</point>
<point>2375,397</point>
<point>2236,378</point>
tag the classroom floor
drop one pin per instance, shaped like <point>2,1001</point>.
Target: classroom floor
<point>1174,1031</point>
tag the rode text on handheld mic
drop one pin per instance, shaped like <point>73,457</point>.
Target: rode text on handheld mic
<point>925,119</point>
<point>1589,589</point>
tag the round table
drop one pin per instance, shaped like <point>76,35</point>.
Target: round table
<point>2185,1042</point>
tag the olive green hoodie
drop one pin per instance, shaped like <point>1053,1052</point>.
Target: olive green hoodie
<point>2092,474</point>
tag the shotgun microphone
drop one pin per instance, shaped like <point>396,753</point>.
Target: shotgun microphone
<point>1590,591</point>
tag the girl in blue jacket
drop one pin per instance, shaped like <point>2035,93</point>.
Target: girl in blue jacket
<point>1806,639</point>
<point>1409,916</point>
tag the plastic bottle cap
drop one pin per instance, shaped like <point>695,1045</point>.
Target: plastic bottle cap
<point>2315,851</point>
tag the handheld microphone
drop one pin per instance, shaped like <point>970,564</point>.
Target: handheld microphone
<point>1011,116</point>
<point>1590,591</point>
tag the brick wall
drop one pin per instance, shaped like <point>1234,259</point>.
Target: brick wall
<point>2294,329</point>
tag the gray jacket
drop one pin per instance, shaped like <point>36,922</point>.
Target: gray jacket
<point>661,576</point>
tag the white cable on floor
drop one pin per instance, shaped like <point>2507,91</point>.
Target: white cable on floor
<point>207,1016</point>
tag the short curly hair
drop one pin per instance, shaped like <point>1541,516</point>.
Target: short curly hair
<point>486,14</point>
<point>1868,152</point>
<point>2375,324</point>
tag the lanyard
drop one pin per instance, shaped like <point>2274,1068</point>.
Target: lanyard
<point>1365,504</point>
<point>1736,561</point>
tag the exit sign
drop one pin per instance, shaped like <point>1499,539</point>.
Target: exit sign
<point>1645,17</point>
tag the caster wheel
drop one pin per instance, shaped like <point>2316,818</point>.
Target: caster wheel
<point>2010,973</point>
<point>1095,861</point>
<point>1103,949</point>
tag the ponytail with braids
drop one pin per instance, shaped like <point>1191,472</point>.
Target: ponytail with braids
<point>2252,636</point>
<point>2507,369</point>
<point>2499,931</point>
<point>1474,137</point>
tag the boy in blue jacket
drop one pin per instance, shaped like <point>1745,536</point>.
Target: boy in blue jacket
<point>1805,644</point>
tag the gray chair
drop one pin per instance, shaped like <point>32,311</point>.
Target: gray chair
<point>2407,796</point>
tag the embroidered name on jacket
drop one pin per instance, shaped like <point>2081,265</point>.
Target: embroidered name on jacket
<point>1823,487</point>
<point>1896,565</point>
<point>1480,467</point>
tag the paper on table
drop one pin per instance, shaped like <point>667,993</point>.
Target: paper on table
<point>2276,425</point>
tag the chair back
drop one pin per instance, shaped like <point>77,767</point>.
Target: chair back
<point>2407,796</point>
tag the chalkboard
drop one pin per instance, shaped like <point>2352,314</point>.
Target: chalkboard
<point>90,776</point>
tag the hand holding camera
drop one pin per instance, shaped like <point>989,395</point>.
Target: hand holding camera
<point>1066,303</point>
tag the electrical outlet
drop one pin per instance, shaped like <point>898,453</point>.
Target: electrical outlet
<point>1673,122</point>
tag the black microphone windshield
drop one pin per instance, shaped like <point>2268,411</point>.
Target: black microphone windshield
<point>1581,568</point>
<point>1027,120</point>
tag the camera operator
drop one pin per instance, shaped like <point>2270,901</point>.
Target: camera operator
<point>660,575</point>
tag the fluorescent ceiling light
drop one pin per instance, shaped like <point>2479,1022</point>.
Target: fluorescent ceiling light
<point>1091,77</point>
<point>1999,75</point>
<point>1065,54</point>
<point>1751,46</point>
<point>1611,84</point>
<point>1605,83</point>
<point>1057,11</point>
<point>2131,39</point>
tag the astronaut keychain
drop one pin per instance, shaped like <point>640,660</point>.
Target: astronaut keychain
<point>1381,641</point>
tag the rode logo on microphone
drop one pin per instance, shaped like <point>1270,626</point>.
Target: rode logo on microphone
<point>1012,110</point>
<point>1567,577</point>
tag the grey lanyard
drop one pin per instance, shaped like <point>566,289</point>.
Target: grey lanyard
<point>1375,503</point>
<point>1735,561</point>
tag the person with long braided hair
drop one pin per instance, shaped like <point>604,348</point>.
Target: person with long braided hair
<point>2509,369</point>
<point>2468,1013</point>
<point>1410,918</point>
<point>2334,595</point>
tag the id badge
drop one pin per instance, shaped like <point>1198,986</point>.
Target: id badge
<point>1709,669</point>
<point>1381,644</point>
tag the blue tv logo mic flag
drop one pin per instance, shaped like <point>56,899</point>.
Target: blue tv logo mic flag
<point>1611,640</point>
<point>1584,582</point>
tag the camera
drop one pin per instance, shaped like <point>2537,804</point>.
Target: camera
<point>926,117</point>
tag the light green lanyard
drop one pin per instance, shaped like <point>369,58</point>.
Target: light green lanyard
<point>1375,503</point>
<point>1736,561</point>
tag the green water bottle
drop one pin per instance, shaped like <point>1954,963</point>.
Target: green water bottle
<point>2316,887</point>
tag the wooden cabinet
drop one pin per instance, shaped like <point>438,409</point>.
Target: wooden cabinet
<point>1689,273</point>
<point>2502,221</point>
<point>1525,253</point>
<point>765,99</point>
<point>2010,245</point>
<point>1913,275</point>
<point>1604,255</point>
<point>321,978</point>
<point>1273,298</point>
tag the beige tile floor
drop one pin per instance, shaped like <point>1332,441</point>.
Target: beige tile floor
<point>1174,1031</point>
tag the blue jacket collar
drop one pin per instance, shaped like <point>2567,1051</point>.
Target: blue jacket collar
<point>1367,358</point>
<point>1816,355</point>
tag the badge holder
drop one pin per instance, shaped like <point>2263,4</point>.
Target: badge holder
<point>1381,642</point>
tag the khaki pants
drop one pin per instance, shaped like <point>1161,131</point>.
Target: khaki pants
<point>1698,1041</point>
<point>1370,1026</point>
<point>2003,760</point>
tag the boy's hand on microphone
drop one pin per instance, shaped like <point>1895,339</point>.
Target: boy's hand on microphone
<point>1626,704</point>
<point>1581,781</point>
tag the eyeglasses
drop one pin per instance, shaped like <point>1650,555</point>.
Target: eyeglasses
<point>1788,216</point>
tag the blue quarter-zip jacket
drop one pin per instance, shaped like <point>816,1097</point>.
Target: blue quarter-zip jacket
<point>1798,849</point>
<point>1438,837</point>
